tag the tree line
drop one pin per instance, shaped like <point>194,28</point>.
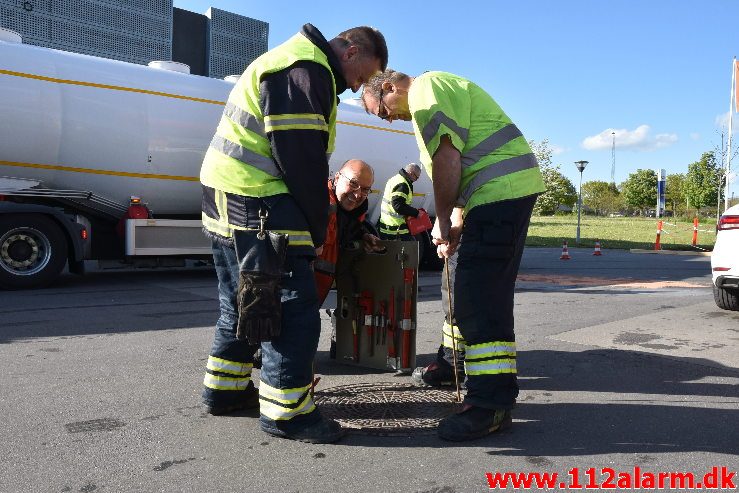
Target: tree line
<point>685,193</point>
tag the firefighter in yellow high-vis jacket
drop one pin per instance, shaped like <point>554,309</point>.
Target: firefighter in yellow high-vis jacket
<point>485,181</point>
<point>396,204</point>
<point>264,206</point>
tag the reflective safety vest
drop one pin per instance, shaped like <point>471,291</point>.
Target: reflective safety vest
<point>390,221</point>
<point>497,162</point>
<point>239,160</point>
<point>324,267</point>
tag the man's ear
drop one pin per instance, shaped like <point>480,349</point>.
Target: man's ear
<point>351,52</point>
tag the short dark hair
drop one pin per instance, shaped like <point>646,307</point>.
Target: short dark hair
<point>370,41</point>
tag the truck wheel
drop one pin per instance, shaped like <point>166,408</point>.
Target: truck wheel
<point>33,251</point>
<point>727,299</point>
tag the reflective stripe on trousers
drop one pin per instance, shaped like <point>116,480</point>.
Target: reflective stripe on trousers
<point>451,336</point>
<point>490,358</point>
<point>222,374</point>
<point>284,404</point>
<point>286,361</point>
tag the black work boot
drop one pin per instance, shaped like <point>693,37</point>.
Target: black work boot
<point>246,399</point>
<point>324,431</point>
<point>473,422</point>
<point>435,375</point>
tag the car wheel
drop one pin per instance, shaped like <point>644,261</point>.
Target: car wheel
<point>33,251</point>
<point>727,299</point>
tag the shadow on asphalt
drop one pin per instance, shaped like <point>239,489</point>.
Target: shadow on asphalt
<point>645,420</point>
<point>623,371</point>
<point>111,302</point>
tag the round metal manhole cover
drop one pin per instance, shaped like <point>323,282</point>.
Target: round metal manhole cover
<point>387,409</point>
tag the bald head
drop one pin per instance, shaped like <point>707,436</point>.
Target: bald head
<point>353,183</point>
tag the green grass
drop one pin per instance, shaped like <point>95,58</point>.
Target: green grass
<point>619,232</point>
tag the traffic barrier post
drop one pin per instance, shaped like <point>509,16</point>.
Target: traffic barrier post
<point>657,245</point>
<point>695,231</point>
<point>596,252</point>
<point>565,252</point>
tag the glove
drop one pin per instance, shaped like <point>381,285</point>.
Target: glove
<point>259,307</point>
<point>261,262</point>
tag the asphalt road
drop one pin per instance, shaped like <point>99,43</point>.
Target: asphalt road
<point>624,361</point>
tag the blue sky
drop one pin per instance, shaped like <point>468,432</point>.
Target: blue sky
<point>655,72</point>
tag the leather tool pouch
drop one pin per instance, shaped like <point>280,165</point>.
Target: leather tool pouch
<point>261,256</point>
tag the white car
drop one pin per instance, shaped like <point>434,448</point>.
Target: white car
<point>725,261</point>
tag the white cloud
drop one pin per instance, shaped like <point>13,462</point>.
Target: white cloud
<point>695,136</point>
<point>661,140</point>
<point>557,149</point>
<point>637,139</point>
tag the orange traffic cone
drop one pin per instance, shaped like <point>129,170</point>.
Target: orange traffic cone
<point>597,248</point>
<point>565,253</point>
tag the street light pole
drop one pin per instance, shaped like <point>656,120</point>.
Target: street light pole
<point>580,167</point>
<point>718,199</point>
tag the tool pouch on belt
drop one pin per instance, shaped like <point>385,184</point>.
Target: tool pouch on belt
<point>261,256</point>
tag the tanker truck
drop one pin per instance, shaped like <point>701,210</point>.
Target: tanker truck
<point>99,160</point>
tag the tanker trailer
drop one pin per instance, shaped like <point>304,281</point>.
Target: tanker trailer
<point>99,160</point>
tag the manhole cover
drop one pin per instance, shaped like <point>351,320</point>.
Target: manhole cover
<point>394,409</point>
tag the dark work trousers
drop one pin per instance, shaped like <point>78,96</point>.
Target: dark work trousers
<point>483,276</point>
<point>287,361</point>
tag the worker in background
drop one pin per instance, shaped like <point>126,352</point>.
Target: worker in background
<point>485,180</point>
<point>264,206</point>
<point>347,192</point>
<point>396,204</point>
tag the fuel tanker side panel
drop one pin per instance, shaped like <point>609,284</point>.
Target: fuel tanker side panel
<point>30,113</point>
<point>118,129</point>
<point>77,122</point>
<point>72,122</point>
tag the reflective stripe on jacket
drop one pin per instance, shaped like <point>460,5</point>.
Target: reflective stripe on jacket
<point>239,159</point>
<point>497,162</point>
<point>223,212</point>
<point>391,222</point>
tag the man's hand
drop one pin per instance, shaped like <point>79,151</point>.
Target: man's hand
<point>371,243</point>
<point>446,234</point>
<point>319,251</point>
<point>446,250</point>
<point>440,231</point>
<point>441,236</point>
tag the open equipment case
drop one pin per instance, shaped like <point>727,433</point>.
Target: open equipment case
<point>375,316</point>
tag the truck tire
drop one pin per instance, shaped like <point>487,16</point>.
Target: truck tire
<point>33,251</point>
<point>726,299</point>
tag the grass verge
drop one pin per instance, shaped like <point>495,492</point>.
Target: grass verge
<point>619,232</point>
